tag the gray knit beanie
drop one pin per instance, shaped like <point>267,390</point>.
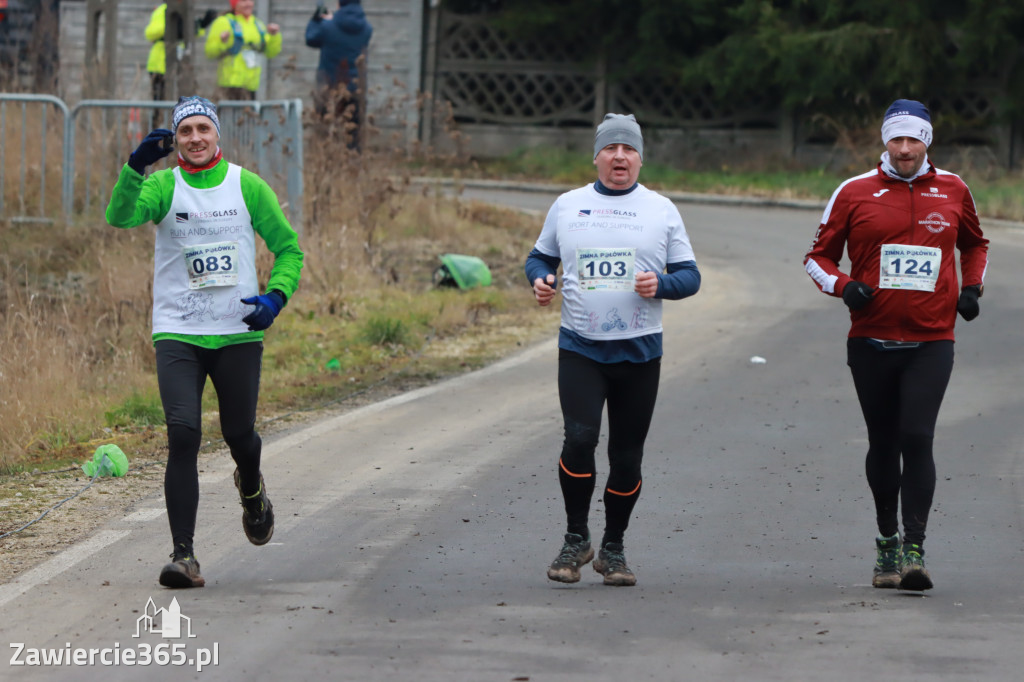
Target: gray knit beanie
<point>619,128</point>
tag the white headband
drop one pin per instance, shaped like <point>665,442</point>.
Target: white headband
<point>907,125</point>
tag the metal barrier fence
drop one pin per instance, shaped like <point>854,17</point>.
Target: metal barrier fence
<point>25,149</point>
<point>97,136</point>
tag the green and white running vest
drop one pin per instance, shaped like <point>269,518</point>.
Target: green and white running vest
<point>205,260</point>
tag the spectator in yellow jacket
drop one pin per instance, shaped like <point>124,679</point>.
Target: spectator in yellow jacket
<point>156,65</point>
<point>237,39</point>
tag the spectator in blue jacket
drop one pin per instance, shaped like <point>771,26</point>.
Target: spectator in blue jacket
<point>341,38</point>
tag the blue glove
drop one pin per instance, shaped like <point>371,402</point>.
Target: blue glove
<point>267,307</point>
<point>151,149</point>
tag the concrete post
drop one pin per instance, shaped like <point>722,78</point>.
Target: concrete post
<point>179,44</point>
<point>262,10</point>
<point>101,64</point>
<point>429,78</point>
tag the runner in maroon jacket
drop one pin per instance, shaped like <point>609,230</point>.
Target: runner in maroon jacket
<point>900,225</point>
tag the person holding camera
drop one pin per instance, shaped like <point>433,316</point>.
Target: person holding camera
<point>341,37</point>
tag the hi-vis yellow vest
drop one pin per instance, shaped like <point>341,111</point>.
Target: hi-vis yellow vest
<point>157,62</point>
<point>238,67</point>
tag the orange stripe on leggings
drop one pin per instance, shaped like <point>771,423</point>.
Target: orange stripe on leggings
<point>571,473</point>
<point>631,492</point>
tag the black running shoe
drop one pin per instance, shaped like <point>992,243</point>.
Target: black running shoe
<point>611,563</point>
<point>257,513</point>
<point>183,571</point>
<point>887,565</point>
<point>576,552</point>
<point>913,575</point>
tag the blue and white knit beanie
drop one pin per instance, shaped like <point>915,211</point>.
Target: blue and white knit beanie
<point>619,129</point>
<point>907,118</point>
<point>194,105</point>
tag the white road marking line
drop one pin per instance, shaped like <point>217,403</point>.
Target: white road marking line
<point>58,564</point>
<point>143,515</point>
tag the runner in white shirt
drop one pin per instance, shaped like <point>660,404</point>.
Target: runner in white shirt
<point>208,315</point>
<point>623,248</point>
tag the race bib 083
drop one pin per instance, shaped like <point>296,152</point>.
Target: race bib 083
<point>212,265</point>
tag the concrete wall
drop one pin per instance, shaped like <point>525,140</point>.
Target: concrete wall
<point>394,60</point>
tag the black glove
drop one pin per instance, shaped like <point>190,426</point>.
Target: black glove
<point>153,147</point>
<point>318,13</point>
<point>968,306</point>
<point>207,19</point>
<point>267,307</point>
<point>856,295</point>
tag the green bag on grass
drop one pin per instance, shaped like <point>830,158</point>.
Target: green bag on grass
<point>108,460</point>
<point>465,272</point>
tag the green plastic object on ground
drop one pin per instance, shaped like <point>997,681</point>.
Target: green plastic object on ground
<point>108,460</point>
<point>465,272</point>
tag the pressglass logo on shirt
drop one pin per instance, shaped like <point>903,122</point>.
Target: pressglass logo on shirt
<point>168,622</point>
<point>181,217</point>
<point>933,192</point>
<point>200,215</point>
<point>611,213</point>
<point>934,222</point>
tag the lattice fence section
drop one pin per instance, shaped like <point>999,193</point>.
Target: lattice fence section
<point>489,78</point>
<point>966,117</point>
<point>473,39</point>
<point>659,102</point>
<point>517,98</point>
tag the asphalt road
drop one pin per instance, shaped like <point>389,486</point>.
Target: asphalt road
<point>413,536</point>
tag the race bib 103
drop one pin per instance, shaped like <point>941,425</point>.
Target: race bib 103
<point>606,269</point>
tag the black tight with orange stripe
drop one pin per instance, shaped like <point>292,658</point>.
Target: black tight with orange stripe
<point>630,391</point>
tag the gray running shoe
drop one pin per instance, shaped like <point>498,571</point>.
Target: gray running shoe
<point>257,514</point>
<point>887,565</point>
<point>576,552</point>
<point>183,571</point>
<point>913,575</point>
<point>611,563</point>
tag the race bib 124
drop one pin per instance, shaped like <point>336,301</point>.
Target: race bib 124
<point>909,267</point>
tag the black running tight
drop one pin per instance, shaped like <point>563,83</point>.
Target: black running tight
<point>630,390</point>
<point>182,369</point>
<point>900,392</point>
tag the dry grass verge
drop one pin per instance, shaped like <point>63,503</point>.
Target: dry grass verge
<point>367,322</point>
